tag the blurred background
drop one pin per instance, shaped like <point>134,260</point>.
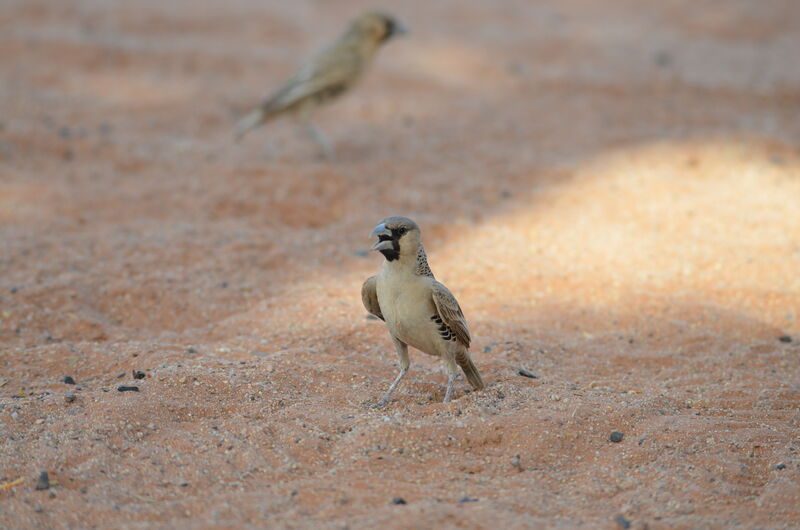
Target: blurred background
<point>611,190</point>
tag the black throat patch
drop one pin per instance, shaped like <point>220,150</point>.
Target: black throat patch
<point>393,253</point>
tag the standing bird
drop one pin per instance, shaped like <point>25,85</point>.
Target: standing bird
<point>327,75</point>
<point>418,310</point>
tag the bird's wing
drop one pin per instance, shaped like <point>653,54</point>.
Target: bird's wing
<point>327,75</point>
<point>369,296</point>
<point>450,312</point>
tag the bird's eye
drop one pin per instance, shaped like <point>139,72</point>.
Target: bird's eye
<point>401,231</point>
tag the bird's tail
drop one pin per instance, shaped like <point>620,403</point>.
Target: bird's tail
<point>473,376</point>
<point>250,122</point>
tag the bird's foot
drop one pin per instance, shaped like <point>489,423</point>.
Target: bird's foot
<point>377,405</point>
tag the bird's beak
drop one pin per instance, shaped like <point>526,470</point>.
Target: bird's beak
<point>382,232</point>
<point>398,28</point>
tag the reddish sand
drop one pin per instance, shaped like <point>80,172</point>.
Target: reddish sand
<point>611,190</point>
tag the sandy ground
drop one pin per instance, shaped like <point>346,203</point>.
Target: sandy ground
<point>611,189</point>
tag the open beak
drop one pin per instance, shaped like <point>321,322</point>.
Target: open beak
<point>384,236</point>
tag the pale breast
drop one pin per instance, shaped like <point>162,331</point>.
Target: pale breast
<point>407,306</point>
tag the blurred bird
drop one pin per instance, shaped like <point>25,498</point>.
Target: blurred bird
<point>327,75</point>
<point>418,310</point>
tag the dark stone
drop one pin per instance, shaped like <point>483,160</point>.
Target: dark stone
<point>463,500</point>
<point>69,397</point>
<point>500,394</point>
<point>622,522</point>
<point>191,350</point>
<point>183,484</point>
<point>525,373</point>
<point>663,59</point>
<point>123,388</point>
<point>120,376</point>
<point>44,481</point>
<point>616,436</point>
<point>399,500</point>
<point>138,374</point>
<point>486,349</point>
<point>785,338</point>
<point>781,466</point>
<point>14,290</point>
<point>68,379</point>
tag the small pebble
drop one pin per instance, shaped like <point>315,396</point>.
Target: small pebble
<point>785,338</point>
<point>69,397</point>
<point>44,481</point>
<point>462,500</point>
<point>525,373</point>
<point>191,350</point>
<point>399,500</point>
<point>616,436</point>
<point>622,522</point>
<point>515,463</point>
<point>14,290</point>
<point>138,374</point>
<point>120,376</point>
<point>123,388</point>
<point>183,484</point>
<point>68,379</point>
<point>487,349</point>
<point>37,508</point>
<point>781,466</point>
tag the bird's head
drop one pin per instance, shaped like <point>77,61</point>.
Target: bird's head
<point>378,27</point>
<point>398,238</point>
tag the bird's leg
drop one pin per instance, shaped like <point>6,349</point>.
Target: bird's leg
<point>452,373</point>
<point>405,362</point>
<point>321,140</point>
<point>451,379</point>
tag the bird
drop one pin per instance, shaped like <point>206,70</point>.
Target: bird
<point>327,75</point>
<point>418,310</point>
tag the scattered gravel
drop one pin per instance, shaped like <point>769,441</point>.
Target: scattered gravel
<point>44,481</point>
<point>622,522</point>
